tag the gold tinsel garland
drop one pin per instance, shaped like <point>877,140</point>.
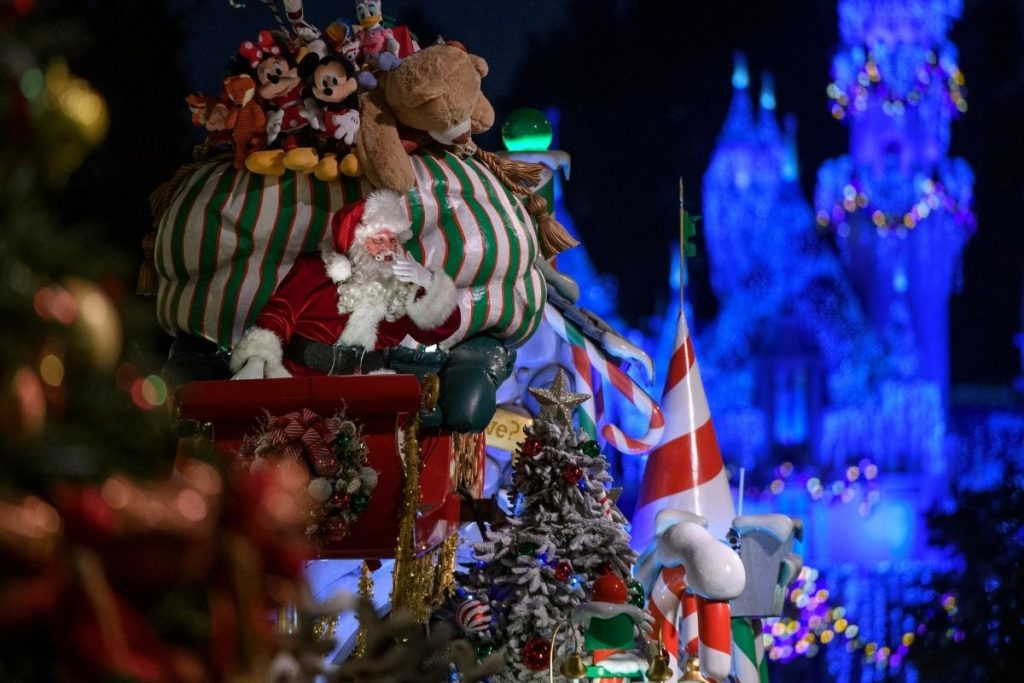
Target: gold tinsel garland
<point>413,577</point>
<point>420,583</point>
<point>366,591</point>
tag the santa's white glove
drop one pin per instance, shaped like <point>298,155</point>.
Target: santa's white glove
<point>407,270</point>
<point>347,126</point>
<point>254,368</point>
<point>275,119</point>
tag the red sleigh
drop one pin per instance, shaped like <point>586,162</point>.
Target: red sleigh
<point>384,406</point>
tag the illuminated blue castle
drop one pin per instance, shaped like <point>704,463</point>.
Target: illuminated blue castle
<point>833,357</point>
<point>900,207</point>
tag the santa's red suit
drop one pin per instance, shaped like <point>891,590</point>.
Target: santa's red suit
<point>326,298</point>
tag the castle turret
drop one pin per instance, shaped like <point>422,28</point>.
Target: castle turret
<point>900,207</point>
<point>739,185</point>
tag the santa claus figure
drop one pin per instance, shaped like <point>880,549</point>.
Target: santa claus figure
<point>344,311</point>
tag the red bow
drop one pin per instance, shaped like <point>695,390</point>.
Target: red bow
<point>305,431</point>
<point>264,46</point>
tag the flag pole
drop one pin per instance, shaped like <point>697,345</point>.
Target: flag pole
<point>682,245</point>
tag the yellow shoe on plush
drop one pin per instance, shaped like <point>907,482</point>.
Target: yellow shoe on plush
<point>303,159</point>
<point>350,166</point>
<point>327,169</point>
<point>266,162</point>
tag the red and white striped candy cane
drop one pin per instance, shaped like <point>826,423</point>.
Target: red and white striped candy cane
<point>705,626</point>
<point>623,383</point>
<point>666,595</point>
<point>715,638</point>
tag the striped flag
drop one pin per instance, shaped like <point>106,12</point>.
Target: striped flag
<point>685,472</point>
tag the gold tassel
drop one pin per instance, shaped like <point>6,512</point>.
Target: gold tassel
<point>554,238</point>
<point>518,176</point>
<point>147,270</point>
<point>366,591</point>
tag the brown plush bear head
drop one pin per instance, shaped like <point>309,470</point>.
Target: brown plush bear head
<point>436,90</point>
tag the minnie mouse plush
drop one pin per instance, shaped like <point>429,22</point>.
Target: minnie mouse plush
<point>279,86</point>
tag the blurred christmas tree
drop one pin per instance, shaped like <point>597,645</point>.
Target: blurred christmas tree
<point>79,396</point>
<point>110,568</point>
<point>975,628</point>
<point>566,533</point>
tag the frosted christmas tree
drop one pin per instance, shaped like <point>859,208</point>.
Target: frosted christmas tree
<point>566,533</point>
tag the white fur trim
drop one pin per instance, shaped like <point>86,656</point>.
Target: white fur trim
<point>384,209</point>
<point>337,265</point>
<point>437,303</point>
<point>262,344</point>
<point>361,326</point>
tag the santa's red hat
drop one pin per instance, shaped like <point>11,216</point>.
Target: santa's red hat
<point>355,222</point>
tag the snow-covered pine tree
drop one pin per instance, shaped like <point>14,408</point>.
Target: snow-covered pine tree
<point>565,533</point>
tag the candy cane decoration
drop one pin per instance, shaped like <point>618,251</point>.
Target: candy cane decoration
<point>748,651</point>
<point>588,358</point>
<point>705,625</point>
<point>272,6</point>
<point>714,648</point>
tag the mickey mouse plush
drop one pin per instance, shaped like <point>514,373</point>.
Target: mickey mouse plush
<point>333,85</point>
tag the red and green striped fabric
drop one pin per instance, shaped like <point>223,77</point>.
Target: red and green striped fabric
<point>229,237</point>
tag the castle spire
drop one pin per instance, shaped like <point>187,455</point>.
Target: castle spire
<point>790,161</point>
<point>739,124</point>
<point>767,125</point>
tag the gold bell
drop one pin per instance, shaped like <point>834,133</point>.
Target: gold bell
<point>659,669</point>
<point>693,671</point>
<point>573,667</point>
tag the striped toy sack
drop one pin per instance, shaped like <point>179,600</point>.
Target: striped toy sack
<point>229,237</point>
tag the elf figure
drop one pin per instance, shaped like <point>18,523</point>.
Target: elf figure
<point>610,625</point>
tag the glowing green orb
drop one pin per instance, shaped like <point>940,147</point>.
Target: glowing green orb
<point>526,130</point>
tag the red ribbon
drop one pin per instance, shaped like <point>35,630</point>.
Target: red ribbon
<point>301,432</point>
<point>264,46</point>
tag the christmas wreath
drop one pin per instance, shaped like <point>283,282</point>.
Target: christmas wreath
<point>335,454</point>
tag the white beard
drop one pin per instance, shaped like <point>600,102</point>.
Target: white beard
<point>372,294</point>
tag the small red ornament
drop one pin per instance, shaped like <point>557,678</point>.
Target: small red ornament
<point>536,653</point>
<point>341,500</point>
<point>572,473</point>
<point>610,588</point>
<point>532,447</point>
<point>563,570</point>
<point>336,529</point>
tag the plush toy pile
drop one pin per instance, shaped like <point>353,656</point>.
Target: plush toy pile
<point>290,101</point>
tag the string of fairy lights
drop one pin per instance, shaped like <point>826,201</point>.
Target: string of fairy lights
<point>851,96</point>
<point>819,624</point>
<point>933,197</point>
<point>850,484</point>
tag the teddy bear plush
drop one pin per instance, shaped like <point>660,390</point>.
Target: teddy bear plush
<point>435,91</point>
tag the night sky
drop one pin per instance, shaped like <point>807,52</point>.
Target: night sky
<point>643,88</point>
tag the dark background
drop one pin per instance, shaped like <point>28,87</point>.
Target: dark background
<point>643,88</point>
